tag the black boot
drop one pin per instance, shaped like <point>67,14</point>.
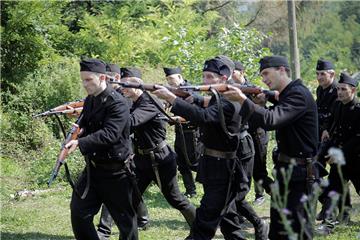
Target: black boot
<point>189,214</point>
<point>189,184</point>
<point>142,216</point>
<point>260,226</point>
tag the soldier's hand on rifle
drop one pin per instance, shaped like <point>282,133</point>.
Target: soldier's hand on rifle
<point>260,99</point>
<point>325,136</point>
<point>72,145</point>
<point>234,94</point>
<point>164,93</point>
<point>190,99</point>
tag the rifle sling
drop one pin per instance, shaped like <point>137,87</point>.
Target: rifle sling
<point>221,114</point>
<point>182,137</point>
<point>183,145</point>
<point>68,177</point>
<point>61,125</point>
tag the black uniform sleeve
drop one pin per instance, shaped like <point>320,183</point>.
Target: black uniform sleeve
<point>113,126</point>
<point>197,114</point>
<point>351,147</point>
<point>142,114</point>
<point>284,113</point>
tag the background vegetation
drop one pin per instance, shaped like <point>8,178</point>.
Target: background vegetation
<point>43,41</point>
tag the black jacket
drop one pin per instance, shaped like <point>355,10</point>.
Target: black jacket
<point>208,119</point>
<point>212,170</point>
<point>149,130</point>
<point>106,127</point>
<point>325,99</point>
<point>294,118</point>
<point>345,131</point>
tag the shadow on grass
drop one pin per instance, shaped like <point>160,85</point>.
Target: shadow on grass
<point>32,236</point>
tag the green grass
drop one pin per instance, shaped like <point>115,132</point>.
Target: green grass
<point>47,216</point>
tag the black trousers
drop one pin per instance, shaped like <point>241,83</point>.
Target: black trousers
<point>169,188</point>
<point>113,189</point>
<point>230,224</point>
<point>185,170</point>
<point>167,170</point>
<point>295,210</point>
<point>336,185</point>
<point>261,139</point>
<point>214,174</point>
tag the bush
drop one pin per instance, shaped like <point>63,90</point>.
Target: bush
<point>36,142</point>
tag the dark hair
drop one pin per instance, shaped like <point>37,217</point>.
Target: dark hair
<point>288,70</point>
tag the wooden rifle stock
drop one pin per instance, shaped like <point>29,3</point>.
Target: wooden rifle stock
<point>72,135</point>
<point>63,108</point>
<point>152,87</point>
<point>222,87</point>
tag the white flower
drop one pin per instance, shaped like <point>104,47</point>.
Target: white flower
<point>304,198</point>
<point>324,183</point>
<point>337,155</point>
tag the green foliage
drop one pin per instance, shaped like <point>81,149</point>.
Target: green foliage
<point>29,32</point>
<point>334,37</point>
<point>244,45</point>
<point>35,142</point>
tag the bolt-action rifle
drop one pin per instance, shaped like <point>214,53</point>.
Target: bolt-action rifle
<point>69,108</point>
<point>153,87</point>
<point>184,91</point>
<point>222,87</point>
<point>71,135</point>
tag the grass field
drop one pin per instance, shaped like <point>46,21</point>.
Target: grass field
<point>47,215</point>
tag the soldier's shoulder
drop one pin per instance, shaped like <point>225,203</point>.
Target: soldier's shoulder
<point>114,95</point>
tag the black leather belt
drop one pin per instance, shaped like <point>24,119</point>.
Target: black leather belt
<point>219,154</point>
<point>154,149</point>
<point>283,158</point>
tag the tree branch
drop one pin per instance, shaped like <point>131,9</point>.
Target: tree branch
<point>254,17</point>
<point>217,7</point>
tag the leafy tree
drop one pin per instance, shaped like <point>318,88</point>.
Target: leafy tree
<point>28,38</point>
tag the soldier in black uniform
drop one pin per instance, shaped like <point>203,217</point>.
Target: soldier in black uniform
<point>261,139</point>
<point>187,139</point>
<point>105,144</point>
<point>294,118</point>
<point>104,227</point>
<point>326,95</point>
<point>344,134</point>
<point>154,159</point>
<point>219,170</point>
<point>240,208</point>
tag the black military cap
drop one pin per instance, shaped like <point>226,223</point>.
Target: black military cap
<point>345,78</point>
<point>216,65</point>
<point>227,61</point>
<point>239,66</point>
<point>130,72</point>
<point>324,65</point>
<point>110,67</point>
<point>273,61</point>
<point>171,71</point>
<point>93,65</point>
